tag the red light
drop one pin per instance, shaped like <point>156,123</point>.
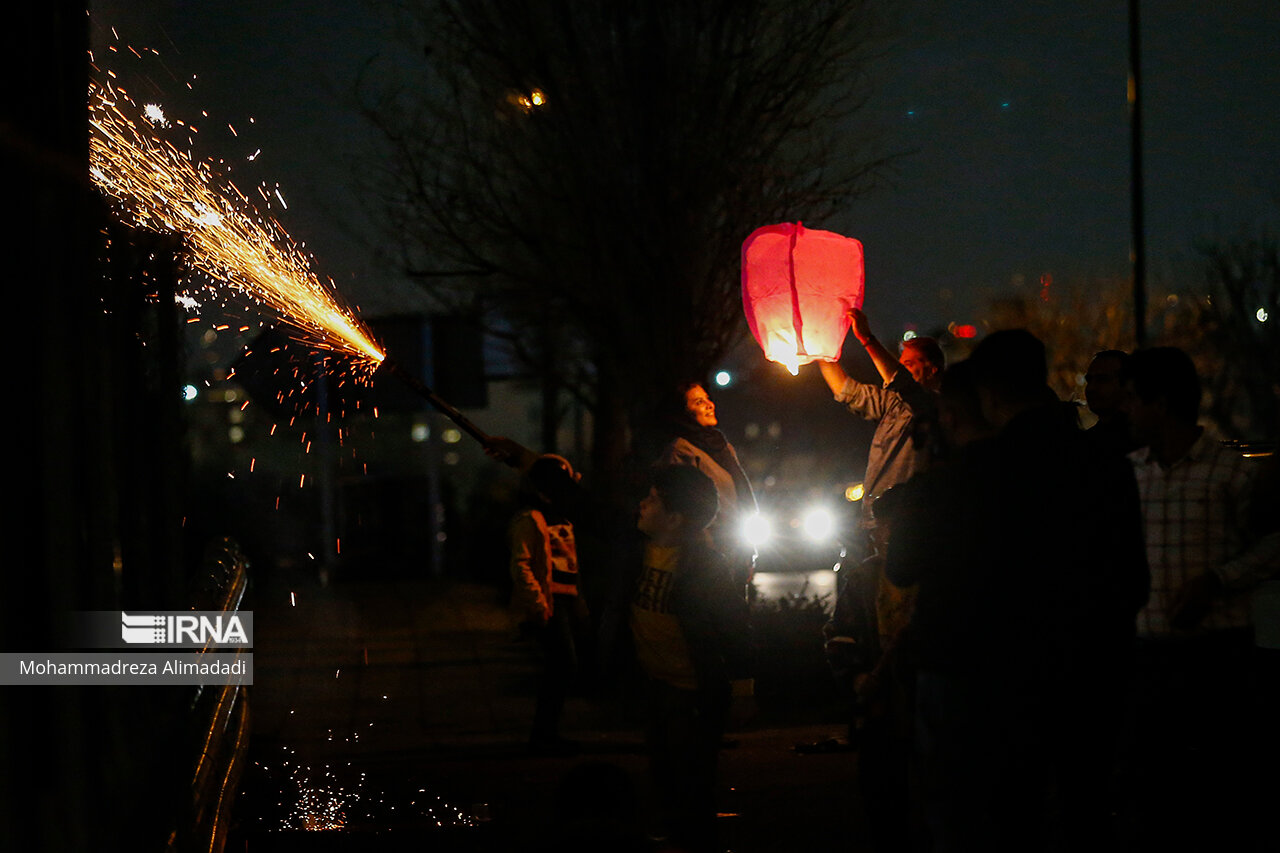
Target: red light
<point>966,331</point>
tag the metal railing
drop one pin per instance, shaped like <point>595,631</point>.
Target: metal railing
<point>220,719</point>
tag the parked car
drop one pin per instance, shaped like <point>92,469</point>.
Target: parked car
<point>804,530</point>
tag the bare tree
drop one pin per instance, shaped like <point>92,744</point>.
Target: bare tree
<point>1226,322</point>
<point>582,173</point>
<point>1239,316</point>
<point>1075,319</point>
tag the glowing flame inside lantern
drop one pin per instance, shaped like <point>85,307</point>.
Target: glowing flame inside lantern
<point>798,286</point>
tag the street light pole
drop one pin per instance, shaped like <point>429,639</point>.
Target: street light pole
<point>1138,248</point>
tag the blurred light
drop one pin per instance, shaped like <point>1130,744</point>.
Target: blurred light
<point>451,436</point>
<point>154,113</point>
<point>723,378</point>
<point>451,458</point>
<point>236,434</point>
<point>420,432</point>
<point>757,530</point>
<point>854,493</point>
<point>819,523</point>
<point>189,392</point>
<point>528,102</point>
<point>909,335</point>
<point>1262,315</point>
<point>966,330</point>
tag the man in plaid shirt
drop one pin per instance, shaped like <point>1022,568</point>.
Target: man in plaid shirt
<point>1195,714</point>
<point>1195,502</point>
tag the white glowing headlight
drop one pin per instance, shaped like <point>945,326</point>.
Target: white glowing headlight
<point>757,530</point>
<point>819,524</point>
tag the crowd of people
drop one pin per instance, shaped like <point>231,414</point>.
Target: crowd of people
<point>1052,643</point>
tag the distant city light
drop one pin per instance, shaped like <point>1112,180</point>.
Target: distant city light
<point>723,378</point>
<point>1262,315</point>
<point>189,392</point>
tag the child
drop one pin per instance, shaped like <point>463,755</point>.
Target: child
<point>544,572</point>
<point>689,624</point>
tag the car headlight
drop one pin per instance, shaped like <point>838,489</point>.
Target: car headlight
<point>757,530</point>
<point>818,524</point>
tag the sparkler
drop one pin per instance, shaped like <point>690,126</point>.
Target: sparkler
<point>158,187</point>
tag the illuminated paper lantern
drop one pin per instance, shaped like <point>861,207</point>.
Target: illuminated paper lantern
<point>798,286</point>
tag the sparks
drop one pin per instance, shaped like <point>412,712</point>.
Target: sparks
<point>157,187</point>
<point>155,114</point>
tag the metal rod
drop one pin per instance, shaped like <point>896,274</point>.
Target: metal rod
<point>1138,247</point>
<point>436,400</point>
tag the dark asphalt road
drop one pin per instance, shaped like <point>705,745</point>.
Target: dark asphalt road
<point>401,708</point>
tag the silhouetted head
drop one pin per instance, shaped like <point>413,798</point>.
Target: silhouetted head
<point>550,481</point>
<point>1165,388</point>
<point>960,406</point>
<point>1104,383</point>
<point>681,502</point>
<point>1012,374</point>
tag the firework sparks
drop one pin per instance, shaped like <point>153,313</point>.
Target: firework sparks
<point>155,186</point>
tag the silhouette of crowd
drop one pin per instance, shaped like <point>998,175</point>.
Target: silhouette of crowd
<point>1053,643</point>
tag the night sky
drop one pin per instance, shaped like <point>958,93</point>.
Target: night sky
<point>1010,116</point>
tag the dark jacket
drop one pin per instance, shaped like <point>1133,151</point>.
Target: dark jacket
<point>1028,550</point>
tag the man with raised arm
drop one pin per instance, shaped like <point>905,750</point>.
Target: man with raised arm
<point>902,406</point>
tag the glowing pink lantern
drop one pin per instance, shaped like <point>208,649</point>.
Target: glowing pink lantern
<point>798,286</point>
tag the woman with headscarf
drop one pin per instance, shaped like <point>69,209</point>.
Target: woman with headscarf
<point>695,441</point>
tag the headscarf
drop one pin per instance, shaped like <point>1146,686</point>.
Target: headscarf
<point>712,442</point>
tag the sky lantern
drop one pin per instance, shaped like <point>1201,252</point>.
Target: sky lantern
<point>798,286</point>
